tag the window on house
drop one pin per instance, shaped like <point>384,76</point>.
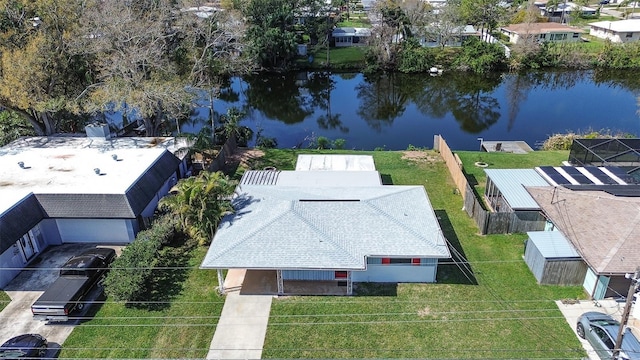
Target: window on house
<point>629,35</point>
<point>400,261</point>
<point>415,261</point>
<point>575,35</point>
<point>340,274</point>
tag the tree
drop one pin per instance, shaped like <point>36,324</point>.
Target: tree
<point>13,126</point>
<point>485,13</point>
<point>40,75</point>
<point>134,45</point>
<point>199,203</point>
<point>271,37</point>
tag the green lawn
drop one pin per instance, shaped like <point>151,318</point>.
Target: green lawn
<point>4,300</point>
<point>495,311</point>
<point>497,160</point>
<point>341,57</point>
<point>179,327</point>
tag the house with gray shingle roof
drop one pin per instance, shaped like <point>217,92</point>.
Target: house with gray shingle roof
<point>347,229</point>
<point>602,227</point>
<point>56,190</point>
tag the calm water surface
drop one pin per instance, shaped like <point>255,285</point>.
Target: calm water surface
<point>394,111</point>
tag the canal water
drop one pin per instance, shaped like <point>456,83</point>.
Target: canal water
<point>396,111</point>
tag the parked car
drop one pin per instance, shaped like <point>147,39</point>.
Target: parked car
<point>78,276</point>
<point>604,2</point>
<point>601,330</point>
<point>24,346</point>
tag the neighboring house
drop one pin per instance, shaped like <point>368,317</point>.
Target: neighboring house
<point>603,228</point>
<point>56,190</point>
<point>541,32</point>
<point>433,38</point>
<point>512,207</point>
<point>348,36</point>
<point>562,10</point>
<point>621,31</point>
<point>338,226</point>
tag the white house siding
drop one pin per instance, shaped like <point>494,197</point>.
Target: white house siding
<point>378,272</point>
<point>96,230</point>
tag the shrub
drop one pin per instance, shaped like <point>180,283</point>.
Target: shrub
<point>131,271</point>
<point>323,142</point>
<point>339,144</point>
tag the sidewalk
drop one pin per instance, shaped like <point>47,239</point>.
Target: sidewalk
<point>243,323</point>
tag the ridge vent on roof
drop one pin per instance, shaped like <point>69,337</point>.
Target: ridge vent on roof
<point>329,200</point>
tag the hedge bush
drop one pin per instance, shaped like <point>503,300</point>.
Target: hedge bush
<point>133,268</point>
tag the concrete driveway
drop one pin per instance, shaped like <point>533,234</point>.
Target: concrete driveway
<point>573,309</point>
<point>16,318</point>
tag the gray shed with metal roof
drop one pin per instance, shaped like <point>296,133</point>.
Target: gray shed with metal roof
<point>505,190</point>
<point>553,260</point>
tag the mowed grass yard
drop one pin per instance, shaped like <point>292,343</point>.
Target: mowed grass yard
<point>497,310</point>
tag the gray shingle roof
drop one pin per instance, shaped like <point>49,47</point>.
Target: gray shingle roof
<point>603,228</point>
<point>90,206</point>
<point>149,183</point>
<point>19,219</point>
<point>279,227</point>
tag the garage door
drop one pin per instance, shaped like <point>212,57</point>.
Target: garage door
<point>95,230</point>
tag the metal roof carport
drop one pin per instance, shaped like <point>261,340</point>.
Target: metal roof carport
<point>507,187</point>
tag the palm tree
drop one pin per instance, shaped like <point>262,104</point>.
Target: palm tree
<point>199,203</point>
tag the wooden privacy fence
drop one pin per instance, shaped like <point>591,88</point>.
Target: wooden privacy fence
<point>488,222</point>
<point>222,159</point>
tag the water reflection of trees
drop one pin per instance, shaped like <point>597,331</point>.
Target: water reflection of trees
<point>278,97</point>
<point>320,85</point>
<point>383,98</point>
<point>467,97</point>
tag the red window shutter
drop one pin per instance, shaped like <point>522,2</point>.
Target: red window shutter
<point>386,261</point>
<point>341,274</point>
<point>415,261</point>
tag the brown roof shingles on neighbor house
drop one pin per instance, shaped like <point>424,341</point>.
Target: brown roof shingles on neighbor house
<point>605,229</point>
<point>541,28</point>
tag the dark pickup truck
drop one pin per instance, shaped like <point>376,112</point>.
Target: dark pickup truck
<point>78,276</point>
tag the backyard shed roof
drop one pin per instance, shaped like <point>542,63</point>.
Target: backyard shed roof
<point>603,228</point>
<point>282,227</point>
<point>308,162</point>
<point>552,244</point>
<point>512,182</point>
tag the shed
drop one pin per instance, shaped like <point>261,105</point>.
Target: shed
<point>553,260</point>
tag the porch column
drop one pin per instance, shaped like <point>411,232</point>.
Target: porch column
<point>349,284</point>
<point>280,282</point>
<point>220,281</point>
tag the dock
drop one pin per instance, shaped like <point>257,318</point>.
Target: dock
<point>516,147</point>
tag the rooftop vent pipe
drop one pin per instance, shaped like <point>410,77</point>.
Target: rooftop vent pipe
<point>114,157</point>
<point>21,164</point>
<point>97,171</point>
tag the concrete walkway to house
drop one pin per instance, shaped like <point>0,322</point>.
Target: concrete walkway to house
<point>243,323</point>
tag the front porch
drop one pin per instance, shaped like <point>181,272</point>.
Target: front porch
<point>265,282</point>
